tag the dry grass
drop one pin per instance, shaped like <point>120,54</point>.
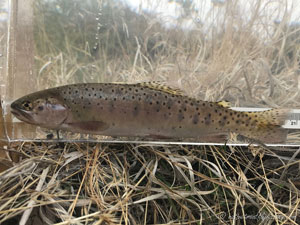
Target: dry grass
<point>131,184</point>
<point>85,183</point>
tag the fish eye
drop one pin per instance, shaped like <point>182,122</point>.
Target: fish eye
<point>27,105</point>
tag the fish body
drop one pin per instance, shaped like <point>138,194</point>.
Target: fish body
<point>144,110</point>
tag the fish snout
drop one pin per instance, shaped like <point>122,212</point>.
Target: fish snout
<point>18,112</point>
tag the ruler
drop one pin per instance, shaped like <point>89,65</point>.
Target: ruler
<point>292,121</point>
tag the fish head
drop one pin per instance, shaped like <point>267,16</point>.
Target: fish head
<point>41,108</point>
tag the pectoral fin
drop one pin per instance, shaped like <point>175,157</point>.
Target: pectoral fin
<point>89,126</point>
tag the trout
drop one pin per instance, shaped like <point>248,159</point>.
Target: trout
<point>143,110</point>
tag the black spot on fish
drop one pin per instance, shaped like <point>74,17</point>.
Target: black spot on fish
<point>135,110</point>
<point>207,120</point>
<point>221,123</point>
<point>157,102</point>
<point>111,106</point>
<point>203,104</point>
<point>180,117</point>
<point>195,119</point>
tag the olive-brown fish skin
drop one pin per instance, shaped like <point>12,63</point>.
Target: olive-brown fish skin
<point>138,110</point>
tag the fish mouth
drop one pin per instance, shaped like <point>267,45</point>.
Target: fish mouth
<point>21,114</point>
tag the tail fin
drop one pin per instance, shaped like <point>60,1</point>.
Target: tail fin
<point>266,126</point>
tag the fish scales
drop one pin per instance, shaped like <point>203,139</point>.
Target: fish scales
<point>143,109</point>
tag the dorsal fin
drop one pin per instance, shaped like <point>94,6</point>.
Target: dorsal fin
<point>224,103</point>
<point>155,85</point>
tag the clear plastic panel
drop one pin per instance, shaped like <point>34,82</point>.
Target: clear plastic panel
<point>246,52</point>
